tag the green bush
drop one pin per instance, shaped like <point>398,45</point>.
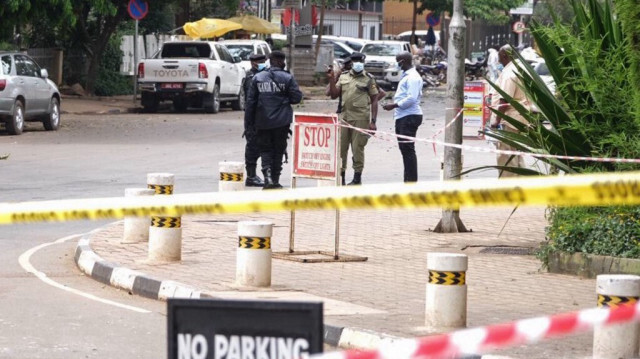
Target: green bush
<point>611,231</point>
<point>110,82</point>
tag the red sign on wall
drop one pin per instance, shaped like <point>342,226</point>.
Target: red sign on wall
<point>315,145</point>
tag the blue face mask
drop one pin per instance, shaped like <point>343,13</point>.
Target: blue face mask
<point>262,66</point>
<point>357,67</point>
<point>500,67</point>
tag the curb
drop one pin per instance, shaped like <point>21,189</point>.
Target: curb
<point>138,283</point>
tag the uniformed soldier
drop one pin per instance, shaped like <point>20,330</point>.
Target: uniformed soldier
<point>358,94</point>
<point>251,151</point>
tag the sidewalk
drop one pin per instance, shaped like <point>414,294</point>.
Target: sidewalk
<point>385,295</point>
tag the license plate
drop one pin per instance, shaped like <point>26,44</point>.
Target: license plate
<point>171,85</point>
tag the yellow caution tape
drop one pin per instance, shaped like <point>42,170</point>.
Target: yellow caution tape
<point>578,190</point>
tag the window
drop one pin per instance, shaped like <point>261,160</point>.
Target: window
<point>224,54</point>
<point>185,50</point>
<point>242,51</point>
<point>266,49</point>
<point>382,49</point>
<point>339,51</point>
<point>26,67</point>
<point>6,64</point>
<point>327,29</point>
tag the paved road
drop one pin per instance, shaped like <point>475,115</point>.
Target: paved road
<point>100,156</point>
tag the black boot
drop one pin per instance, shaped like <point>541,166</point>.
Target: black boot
<point>253,180</point>
<point>268,180</point>
<point>357,179</point>
<point>276,181</point>
<point>342,179</point>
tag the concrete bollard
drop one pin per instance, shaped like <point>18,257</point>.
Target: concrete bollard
<point>446,293</point>
<point>136,229</point>
<point>165,233</point>
<point>231,176</point>
<point>253,259</point>
<point>618,341</point>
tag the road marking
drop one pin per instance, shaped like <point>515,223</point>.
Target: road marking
<point>26,265</point>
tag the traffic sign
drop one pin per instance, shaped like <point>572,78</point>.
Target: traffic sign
<point>519,27</point>
<point>207,328</point>
<point>432,19</point>
<point>138,9</point>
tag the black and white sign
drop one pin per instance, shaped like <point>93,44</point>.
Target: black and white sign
<point>225,329</point>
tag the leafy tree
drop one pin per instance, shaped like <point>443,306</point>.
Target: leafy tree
<point>629,12</point>
<point>493,11</point>
<point>545,11</point>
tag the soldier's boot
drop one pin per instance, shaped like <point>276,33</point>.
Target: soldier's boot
<point>357,179</point>
<point>342,179</point>
<point>268,180</point>
<point>253,180</point>
<point>276,181</point>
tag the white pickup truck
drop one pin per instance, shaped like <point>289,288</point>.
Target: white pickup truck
<point>192,73</point>
<point>381,60</point>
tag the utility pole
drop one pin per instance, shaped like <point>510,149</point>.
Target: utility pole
<point>450,221</point>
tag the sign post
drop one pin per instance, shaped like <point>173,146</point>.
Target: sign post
<point>137,9</point>
<point>315,155</point>
<point>203,329</point>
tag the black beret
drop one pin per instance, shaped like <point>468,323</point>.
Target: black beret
<point>357,56</point>
<point>257,57</point>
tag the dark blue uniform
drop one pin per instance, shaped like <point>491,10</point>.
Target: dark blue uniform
<point>269,111</point>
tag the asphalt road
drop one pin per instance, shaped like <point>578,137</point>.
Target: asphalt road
<point>100,156</point>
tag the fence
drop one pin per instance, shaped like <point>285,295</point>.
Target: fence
<point>480,36</point>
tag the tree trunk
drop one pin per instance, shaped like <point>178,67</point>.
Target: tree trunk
<point>99,45</point>
<point>323,4</point>
<point>450,221</point>
<point>413,24</point>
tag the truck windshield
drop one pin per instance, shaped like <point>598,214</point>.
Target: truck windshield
<point>185,50</point>
<point>242,51</point>
<point>381,49</point>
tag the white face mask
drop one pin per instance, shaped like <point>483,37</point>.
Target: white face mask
<point>357,67</point>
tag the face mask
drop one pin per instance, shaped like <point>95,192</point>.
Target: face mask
<point>357,67</point>
<point>500,67</point>
<point>262,67</point>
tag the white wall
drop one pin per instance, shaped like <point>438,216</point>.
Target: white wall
<point>147,46</point>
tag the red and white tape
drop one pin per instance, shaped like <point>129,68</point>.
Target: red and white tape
<point>378,134</point>
<point>483,339</point>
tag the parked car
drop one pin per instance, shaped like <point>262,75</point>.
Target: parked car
<point>381,60</point>
<point>353,42</point>
<point>26,94</point>
<point>246,48</point>
<point>192,73</point>
<point>421,34</point>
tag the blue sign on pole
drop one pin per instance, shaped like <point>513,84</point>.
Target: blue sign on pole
<point>138,9</point>
<point>432,19</point>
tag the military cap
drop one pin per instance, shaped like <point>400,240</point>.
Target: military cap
<point>257,57</point>
<point>358,56</point>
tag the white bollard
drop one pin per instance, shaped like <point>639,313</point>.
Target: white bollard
<point>618,341</point>
<point>136,229</point>
<point>165,233</point>
<point>253,259</point>
<point>446,293</point>
<point>231,176</point>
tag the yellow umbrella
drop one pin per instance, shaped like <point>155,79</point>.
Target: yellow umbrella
<point>256,25</point>
<point>207,28</point>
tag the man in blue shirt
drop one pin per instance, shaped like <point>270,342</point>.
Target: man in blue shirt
<point>408,114</point>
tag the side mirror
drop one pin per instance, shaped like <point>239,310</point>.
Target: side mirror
<point>236,59</point>
<point>44,73</point>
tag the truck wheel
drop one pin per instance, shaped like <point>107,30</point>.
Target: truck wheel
<point>212,101</point>
<point>15,123</point>
<point>238,105</point>
<point>150,102</point>
<point>52,121</point>
<point>180,104</point>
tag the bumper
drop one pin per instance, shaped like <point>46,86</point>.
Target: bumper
<point>186,88</point>
<point>6,106</point>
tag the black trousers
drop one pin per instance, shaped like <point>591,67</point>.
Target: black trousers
<point>251,151</point>
<point>408,126</point>
<point>272,144</point>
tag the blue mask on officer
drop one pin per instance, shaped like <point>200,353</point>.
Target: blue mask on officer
<point>262,66</point>
<point>357,67</point>
<point>500,67</point>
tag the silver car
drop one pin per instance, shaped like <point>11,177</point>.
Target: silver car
<point>26,94</point>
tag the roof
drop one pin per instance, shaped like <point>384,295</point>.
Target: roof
<point>236,42</point>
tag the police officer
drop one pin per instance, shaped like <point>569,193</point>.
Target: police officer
<point>358,94</point>
<point>269,111</point>
<point>346,67</point>
<point>251,152</point>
